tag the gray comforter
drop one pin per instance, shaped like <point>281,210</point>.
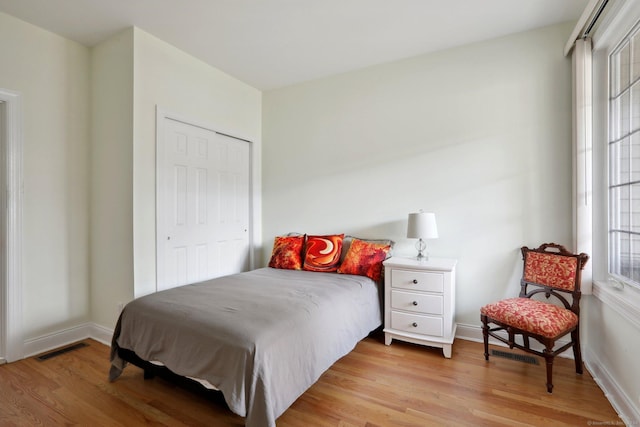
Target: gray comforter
<point>262,337</point>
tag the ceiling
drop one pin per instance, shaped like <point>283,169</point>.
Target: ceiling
<point>274,43</point>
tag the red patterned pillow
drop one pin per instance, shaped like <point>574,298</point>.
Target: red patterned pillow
<point>287,252</point>
<point>322,253</point>
<point>365,259</point>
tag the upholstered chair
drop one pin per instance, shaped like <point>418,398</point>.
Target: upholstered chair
<point>549,271</point>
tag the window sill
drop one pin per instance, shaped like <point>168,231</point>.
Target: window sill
<point>624,300</point>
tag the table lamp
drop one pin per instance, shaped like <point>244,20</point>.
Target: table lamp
<point>422,225</point>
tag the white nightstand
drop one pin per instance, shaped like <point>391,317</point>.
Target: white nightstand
<point>419,301</point>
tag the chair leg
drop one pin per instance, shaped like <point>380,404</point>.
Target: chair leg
<point>548,356</point>
<point>485,335</point>
<point>577,354</point>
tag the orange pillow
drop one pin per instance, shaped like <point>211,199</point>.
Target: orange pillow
<point>287,252</point>
<point>365,259</point>
<point>322,253</point>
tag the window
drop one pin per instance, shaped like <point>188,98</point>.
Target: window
<point>615,103</point>
<point>624,159</point>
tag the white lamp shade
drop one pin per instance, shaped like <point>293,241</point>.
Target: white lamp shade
<point>422,225</point>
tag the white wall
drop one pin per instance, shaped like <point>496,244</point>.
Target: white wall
<point>480,134</point>
<point>52,75</point>
<point>112,177</point>
<point>169,78</point>
<point>133,72</point>
<point>89,162</point>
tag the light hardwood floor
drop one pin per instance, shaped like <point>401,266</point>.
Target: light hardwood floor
<point>375,385</point>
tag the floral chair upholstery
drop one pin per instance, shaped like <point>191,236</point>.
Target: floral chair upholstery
<point>550,270</point>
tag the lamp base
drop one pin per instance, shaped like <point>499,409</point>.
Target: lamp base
<point>421,246</point>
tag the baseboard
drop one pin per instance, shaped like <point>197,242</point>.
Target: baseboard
<point>621,402</point>
<point>101,334</point>
<point>474,333</point>
<point>65,337</point>
<point>55,340</point>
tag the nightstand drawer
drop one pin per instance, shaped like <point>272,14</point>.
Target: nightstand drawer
<point>416,323</point>
<point>421,303</point>
<point>419,281</point>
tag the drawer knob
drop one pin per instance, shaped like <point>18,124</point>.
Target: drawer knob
<point>414,324</point>
<point>415,281</point>
<point>415,303</point>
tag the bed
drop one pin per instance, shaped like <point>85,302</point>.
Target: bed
<point>261,337</point>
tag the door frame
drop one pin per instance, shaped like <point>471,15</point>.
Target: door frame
<point>161,115</point>
<point>11,185</point>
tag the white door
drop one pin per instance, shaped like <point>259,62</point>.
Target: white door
<point>203,208</point>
